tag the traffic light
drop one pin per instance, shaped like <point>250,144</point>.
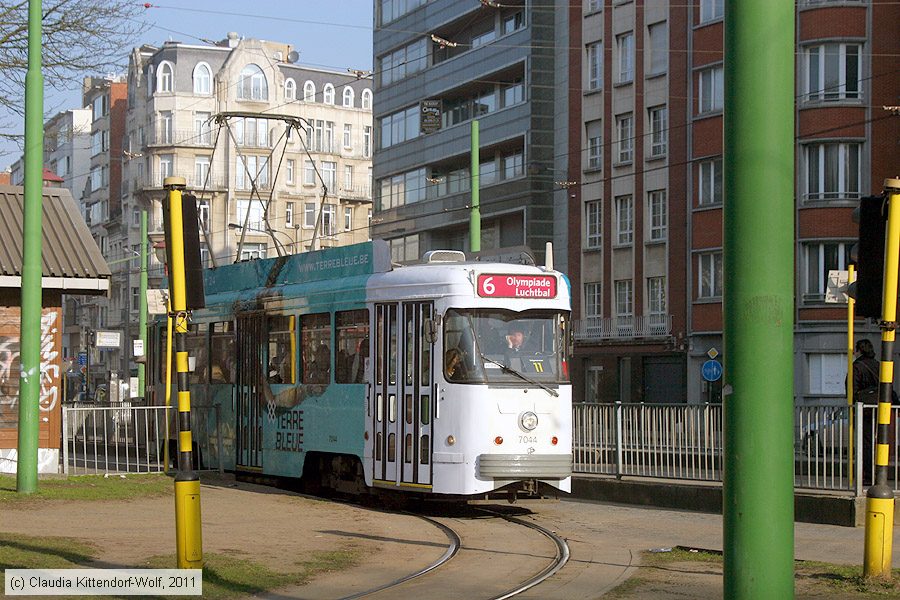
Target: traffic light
<point>868,256</point>
<point>193,268</point>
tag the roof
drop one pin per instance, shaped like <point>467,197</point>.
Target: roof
<point>70,258</point>
<point>51,176</point>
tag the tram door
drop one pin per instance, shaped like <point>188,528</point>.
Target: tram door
<point>251,337</point>
<point>403,398</point>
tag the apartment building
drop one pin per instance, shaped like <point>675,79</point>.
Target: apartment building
<point>439,65</point>
<point>652,191</point>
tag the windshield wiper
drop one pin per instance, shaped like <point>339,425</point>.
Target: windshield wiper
<point>521,376</point>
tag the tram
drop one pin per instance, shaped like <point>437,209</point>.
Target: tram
<point>353,373</point>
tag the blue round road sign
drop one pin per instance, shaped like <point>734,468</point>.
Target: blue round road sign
<point>711,370</point>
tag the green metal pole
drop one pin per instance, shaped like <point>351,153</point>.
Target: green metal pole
<point>142,319</point>
<point>475,215</point>
<point>758,500</point>
<point>30,336</point>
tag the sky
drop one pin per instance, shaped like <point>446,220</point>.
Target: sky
<point>334,34</point>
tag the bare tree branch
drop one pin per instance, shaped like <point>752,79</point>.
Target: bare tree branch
<point>80,38</point>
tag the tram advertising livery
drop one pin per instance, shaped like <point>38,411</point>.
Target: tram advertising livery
<point>445,377</point>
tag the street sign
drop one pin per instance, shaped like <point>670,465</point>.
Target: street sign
<point>712,352</point>
<point>711,370</point>
<point>138,347</point>
<point>82,359</point>
<point>108,339</point>
<point>157,302</point>
<point>838,283</point>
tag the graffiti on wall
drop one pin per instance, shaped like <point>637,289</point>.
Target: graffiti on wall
<point>50,368</point>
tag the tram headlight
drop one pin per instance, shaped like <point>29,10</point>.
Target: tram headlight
<point>528,420</point>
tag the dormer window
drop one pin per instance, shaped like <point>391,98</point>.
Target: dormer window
<point>252,84</point>
<point>202,79</point>
<point>165,78</point>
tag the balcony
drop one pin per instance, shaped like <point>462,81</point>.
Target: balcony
<point>595,329</point>
<point>162,136</point>
<point>355,192</point>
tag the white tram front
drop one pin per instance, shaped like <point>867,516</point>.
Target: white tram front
<point>468,387</point>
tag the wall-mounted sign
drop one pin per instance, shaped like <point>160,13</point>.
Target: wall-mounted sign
<point>494,285</point>
<point>108,339</point>
<point>430,116</point>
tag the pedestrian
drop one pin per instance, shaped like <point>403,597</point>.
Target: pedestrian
<point>865,391</point>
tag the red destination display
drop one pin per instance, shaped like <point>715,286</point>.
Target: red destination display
<point>495,285</point>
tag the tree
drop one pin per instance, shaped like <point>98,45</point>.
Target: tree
<point>80,38</point>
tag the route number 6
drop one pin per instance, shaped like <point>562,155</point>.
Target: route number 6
<point>487,286</point>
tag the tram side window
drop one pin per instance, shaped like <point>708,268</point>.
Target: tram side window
<point>195,341</point>
<point>352,345</point>
<point>282,349</point>
<point>222,353</point>
<point>315,343</point>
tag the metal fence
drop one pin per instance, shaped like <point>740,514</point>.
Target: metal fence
<point>686,442</point>
<point>124,438</point>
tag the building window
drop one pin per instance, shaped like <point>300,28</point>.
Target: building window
<point>593,301</point>
<point>709,187</point>
<point>832,72</point>
<point>329,137</point>
<point>832,171</point>
<point>593,219</point>
<point>659,131</point>
<point>624,304</point>
<point>403,62</point>
<point>252,84</point>
<point>367,99</point>
<point>348,177</point>
<point>309,92</point>
<point>711,10</point>
<point>201,171</point>
<point>288,214</point>
<point>656,302</point>
<point>820,258</point>
<point>202,79</point>
<point>625,127</point>
<point>348,97</point>
<point>309,215</point>
<point>165,127</point>
<point>657,208</point>
<point>203,214</point>
<point>367,141</point>
<point>625,46</point>
<point>658,48</point>
<point>253,251</point>
<point>165,78</point>
<point>595,66</point>
<point>290,89</point>
<point>255,209</point>
<point>513,166</point>
<point>329,172</point>
<point>400,126</point>
<point>709,275</point>
<point>289,177</point>
<point>595,144</point>
<point>624,220</point>
<point>711,94</point>
<point>252,172</point>
<point>329,218</point>
<point>348,218</point>
<point>309,173</point>
<point>202,128</point>
<point>348,135</point>
<point>165,166</point>
<point>328,94</point>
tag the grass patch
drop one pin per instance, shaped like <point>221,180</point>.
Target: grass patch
<point>88,487</point>
<point>42,552</point>
<point>686,572</point>
<point>226,576</point>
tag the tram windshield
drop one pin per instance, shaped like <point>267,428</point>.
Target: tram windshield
<point>502,346</point>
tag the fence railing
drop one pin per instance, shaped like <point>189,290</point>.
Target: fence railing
<point>122,438</point>
<point>687,442</point>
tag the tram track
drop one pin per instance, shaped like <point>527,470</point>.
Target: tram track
<point>489,554</point>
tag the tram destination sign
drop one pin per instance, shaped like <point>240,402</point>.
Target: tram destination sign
<point>497,285</point>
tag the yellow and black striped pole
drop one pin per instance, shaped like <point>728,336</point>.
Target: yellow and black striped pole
<point>880,497</point>
<point>188,530</point>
